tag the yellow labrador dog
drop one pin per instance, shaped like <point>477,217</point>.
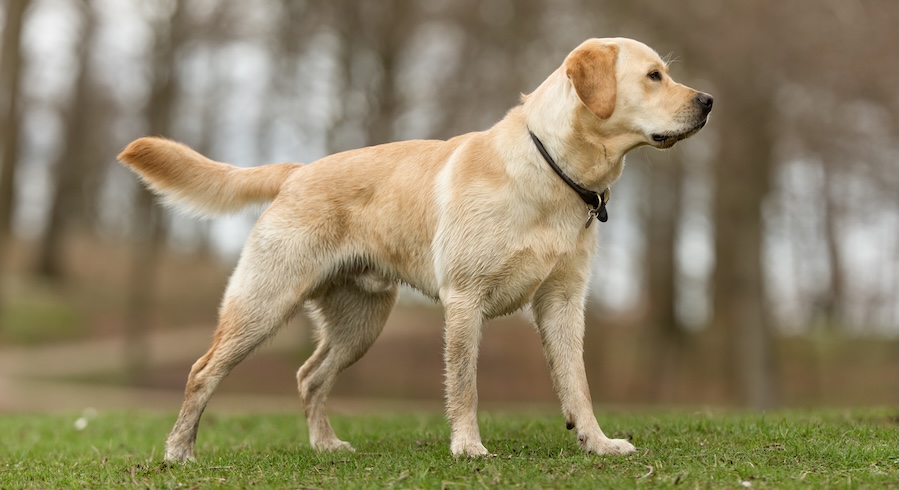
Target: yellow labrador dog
<point>487,222</point>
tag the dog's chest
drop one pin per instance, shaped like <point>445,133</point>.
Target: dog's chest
<point>513,283</point>
<point>498,243</point>
<point>506,268</point>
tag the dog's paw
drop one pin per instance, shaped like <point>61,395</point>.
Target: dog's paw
<point>179,454</point>
<point>333,445</point>
<point>604,445</point>
<point>468,448</point>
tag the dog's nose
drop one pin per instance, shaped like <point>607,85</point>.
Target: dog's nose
<point>705,102</point>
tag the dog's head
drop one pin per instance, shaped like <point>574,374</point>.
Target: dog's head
<point>625,85</point>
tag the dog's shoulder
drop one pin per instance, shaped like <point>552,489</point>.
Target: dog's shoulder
<point>478,159</point>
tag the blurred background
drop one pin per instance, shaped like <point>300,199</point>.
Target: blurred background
<point>756,264</point>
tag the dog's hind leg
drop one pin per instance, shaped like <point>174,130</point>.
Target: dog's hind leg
<point>348,319</point>
<point>263,294</point>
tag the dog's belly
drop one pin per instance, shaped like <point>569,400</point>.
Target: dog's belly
<point>413,267</point>
<point>381,266</point>
<point>503,289</point>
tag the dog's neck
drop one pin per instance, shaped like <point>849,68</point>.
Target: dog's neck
<point>575,137</point>
<point>595,201</point>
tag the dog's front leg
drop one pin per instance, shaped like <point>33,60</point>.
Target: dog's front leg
<point>463,334</point>
<point>560,319</point>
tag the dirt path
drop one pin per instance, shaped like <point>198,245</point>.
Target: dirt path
<point>32,377</point>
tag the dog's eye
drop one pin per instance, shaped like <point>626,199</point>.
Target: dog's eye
<point>655,75</point>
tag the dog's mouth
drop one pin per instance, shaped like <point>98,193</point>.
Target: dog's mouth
<point>667,140</point>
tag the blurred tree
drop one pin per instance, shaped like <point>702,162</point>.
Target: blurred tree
<point>815,50</point>
<point>743,102</point>
<point>839,111</point>
<point>388,30</point>
<point>10,76</point>
<point>170,28</point>
<point>834,297</point>
<point>372,38</point>
<point>295,24</point>
<point>344,20</point>
<point>496,63</point>
<point>70,170</point>
<point>666,338</point>
<point>742,183</point>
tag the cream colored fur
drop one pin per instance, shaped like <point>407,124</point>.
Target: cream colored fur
<point>480,222</point>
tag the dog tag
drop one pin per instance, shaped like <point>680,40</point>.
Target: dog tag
<point>598,212</point>
<point>592,213</point>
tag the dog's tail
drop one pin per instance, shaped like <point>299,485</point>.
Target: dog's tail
<point>202,186</point>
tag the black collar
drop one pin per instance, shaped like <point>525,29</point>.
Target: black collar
<point>596,202</point>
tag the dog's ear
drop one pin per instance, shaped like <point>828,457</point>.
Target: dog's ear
<point>591,70</point>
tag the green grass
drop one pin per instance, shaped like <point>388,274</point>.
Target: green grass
<point>816,449</point>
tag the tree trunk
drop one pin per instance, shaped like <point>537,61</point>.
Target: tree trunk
<point>10,70</point>
<point>665,337</point>
<point>834,297</point>
<point>344,19</point>
<point>149,222</point>
<point>69,168</point>
<point>148,238</point>
<point>742,174</point>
